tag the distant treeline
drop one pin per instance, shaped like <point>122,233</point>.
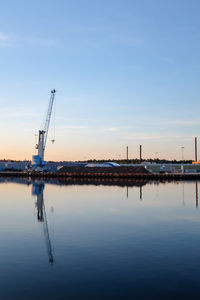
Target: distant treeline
<point>12,160</point>
<point>137,161</point>
<point>119,161</point>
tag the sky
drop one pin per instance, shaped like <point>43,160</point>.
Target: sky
<point>126,73</point>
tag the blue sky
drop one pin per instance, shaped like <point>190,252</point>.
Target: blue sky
<point>127,73</point>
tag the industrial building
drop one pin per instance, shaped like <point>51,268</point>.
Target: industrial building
<point>14,166</point>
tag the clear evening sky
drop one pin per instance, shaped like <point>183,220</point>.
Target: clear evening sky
<point>127,72</point>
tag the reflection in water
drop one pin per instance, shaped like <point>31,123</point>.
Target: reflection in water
<point>140,192</point>
<point>127,187</point>
<point>183,193</point>
<point>197,196</point>
<point>37,190</point>
<point>107,246</point>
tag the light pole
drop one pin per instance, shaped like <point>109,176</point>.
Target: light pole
<point>182,151</point>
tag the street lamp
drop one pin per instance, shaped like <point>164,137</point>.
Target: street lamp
<point>182,151</point>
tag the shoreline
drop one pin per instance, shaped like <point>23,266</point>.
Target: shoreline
<point>102,175</point>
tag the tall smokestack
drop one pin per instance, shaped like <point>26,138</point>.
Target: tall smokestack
<point>127,153</point>
<point>140,153</point>
<point>195,145</point>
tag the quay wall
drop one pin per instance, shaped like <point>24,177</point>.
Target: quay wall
<point>101,175</point>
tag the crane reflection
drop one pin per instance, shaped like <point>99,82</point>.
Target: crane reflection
<point>37,190</point>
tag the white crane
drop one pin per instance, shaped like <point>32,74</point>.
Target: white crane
<point>38,160</point>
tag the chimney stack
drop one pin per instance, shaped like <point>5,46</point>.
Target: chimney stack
<point>195,143</point>
<point>140,153</point>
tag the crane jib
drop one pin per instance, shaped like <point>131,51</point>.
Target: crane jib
<point>38,160</point>
<point>47,121</point>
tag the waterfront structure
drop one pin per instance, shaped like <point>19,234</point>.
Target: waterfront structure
<point>38,160</point>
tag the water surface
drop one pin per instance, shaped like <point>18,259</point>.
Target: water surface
<point>64,241</point>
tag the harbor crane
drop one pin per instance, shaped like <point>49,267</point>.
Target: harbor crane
<point>38,160</point>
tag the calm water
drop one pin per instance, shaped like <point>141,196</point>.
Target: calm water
<point>99,242</point>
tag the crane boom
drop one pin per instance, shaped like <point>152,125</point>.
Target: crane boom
<point>38,160</point>
<point>48,117</point>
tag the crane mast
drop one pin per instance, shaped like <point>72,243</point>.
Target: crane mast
<point>38,160</point>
